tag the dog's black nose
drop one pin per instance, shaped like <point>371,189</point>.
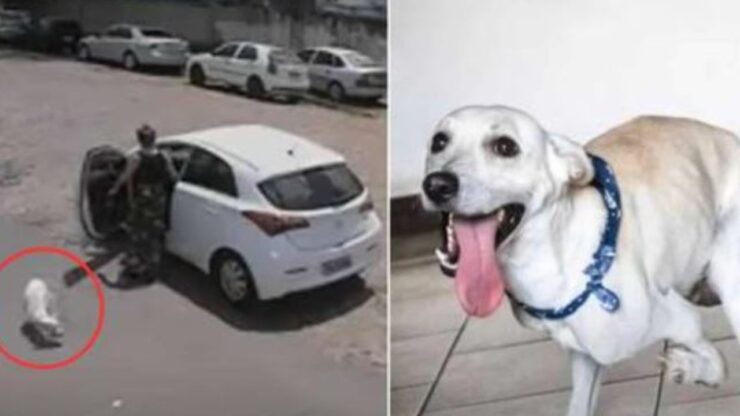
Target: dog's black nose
<point>440,187</point>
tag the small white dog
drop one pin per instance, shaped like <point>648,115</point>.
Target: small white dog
<point>603,246</point>
<point>41,308</point>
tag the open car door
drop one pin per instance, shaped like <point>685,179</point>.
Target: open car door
<point>101,217</point>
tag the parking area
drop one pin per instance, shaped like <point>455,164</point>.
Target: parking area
<point>176,346</point>
<point>445,364</point>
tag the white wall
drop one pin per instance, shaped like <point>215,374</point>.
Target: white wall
<point>579,66</point>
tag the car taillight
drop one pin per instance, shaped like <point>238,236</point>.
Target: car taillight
<point>272,67</point>
<point>274,224</point>
<point>367,206</point>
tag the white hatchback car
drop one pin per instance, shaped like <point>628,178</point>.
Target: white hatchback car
<point>344,73</point>
<point>134,46</point>
<point>264,211</point>
<point>258,69</point>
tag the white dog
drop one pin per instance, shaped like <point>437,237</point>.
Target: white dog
<point>537,216</point>
<point>42,310</point>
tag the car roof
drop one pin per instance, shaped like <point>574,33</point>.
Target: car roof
<point>142,28</point>
<point>255,44</point>
<point>136,27</point>
<point>335,49</point>
<point>265,151</point>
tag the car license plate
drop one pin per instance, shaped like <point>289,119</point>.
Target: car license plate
<point>336,265</point>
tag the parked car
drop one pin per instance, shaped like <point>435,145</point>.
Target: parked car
<point>134,46</point>
<point>54,34</point>
<point>264,211</point>
<point>344,73</point>
<point>260,70</point>
<point>14,25</point>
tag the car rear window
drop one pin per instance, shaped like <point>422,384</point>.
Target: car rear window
<point>283,57</point>
<point>359,60</point>
<point>156,33</point>
<point>314,188</point>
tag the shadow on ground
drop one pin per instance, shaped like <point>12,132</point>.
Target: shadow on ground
<point>290,313</point>
<point>37,337</point>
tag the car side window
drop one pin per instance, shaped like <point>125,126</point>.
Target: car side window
<point>337,62</point>
<point>306,55</point>
<point>125,33</point>
<point>225,51</point>
<point>209,171</point>
<point>119,33</point>
<point>248,53</point>
<point>324,58</point>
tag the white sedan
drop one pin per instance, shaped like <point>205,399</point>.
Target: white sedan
<point>264,211</point>
<point>259,69</point>
<point>134,46</point>
<point>344,73</point>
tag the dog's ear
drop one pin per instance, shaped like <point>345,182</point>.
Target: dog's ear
<point>570,160</point>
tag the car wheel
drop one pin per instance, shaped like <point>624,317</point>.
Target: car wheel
<point>336,91</point>
<point>83,53</point>
<point>255,87</point>
<point>235,279</point>
<point>197,76</point>
<point>129,61</point>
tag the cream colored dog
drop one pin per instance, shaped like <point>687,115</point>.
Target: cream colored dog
<point>527,221</point>
<point>41,307</point>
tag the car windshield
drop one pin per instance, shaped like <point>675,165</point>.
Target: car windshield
<point>359,60</point>
<point>156,33</point>
<point>281,56</point>
<point>315,188</point>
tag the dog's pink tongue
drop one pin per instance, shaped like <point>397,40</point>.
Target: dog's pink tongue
<point>479,283</point>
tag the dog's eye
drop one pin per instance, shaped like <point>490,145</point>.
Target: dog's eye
<point>505,146</point>
<point>439,142</point>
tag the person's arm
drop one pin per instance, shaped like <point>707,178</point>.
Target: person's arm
<point>132,163</point>
<point>170,167</point>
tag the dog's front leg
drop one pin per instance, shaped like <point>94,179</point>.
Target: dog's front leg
<point>586,375</point>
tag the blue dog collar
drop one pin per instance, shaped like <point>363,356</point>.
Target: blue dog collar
<point>606,183</point>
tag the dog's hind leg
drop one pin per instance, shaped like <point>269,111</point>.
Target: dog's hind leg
<point>690,358</point>
<point>724,273</point>
<point>586,373</point>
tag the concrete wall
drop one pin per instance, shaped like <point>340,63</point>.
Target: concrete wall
<point>206,26</point>
<point>283,31</point>
<point>184,20</point>
<point>579,66</point>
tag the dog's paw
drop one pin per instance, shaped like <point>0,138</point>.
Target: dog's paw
<point>684,366</point>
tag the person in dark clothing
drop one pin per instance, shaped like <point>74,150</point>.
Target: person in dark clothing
<point>148,177</point>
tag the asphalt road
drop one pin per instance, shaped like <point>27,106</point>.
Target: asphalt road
<point>173,347</point>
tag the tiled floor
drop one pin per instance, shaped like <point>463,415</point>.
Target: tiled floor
<point>446,365</point>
